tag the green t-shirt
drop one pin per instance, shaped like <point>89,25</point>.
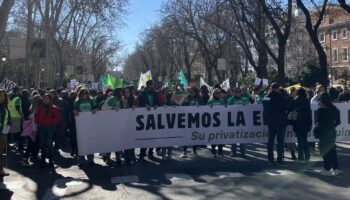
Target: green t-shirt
<point>84,105</point>
<point>114,102</point>
<point>226,98</point>
<point>215,102</point>
<point>193,101</point>
<point>150,98</point>
<point>259,98</point>
<point>238,101</point>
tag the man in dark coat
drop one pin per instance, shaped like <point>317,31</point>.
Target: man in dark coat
<point>148,99</point>
<point>276,109</point>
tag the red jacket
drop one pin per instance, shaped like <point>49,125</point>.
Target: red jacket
<point>49,118</point>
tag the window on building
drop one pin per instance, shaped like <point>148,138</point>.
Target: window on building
<point>344,33</point>
<point>334,35</point>
<point>321,37</point>
<point>335,55</point>
<point>345,54</point>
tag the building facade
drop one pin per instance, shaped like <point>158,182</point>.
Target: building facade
<point>335,39</point>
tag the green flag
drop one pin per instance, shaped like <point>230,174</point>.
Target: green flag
<point>182,78</point>
<point>103,81</point>
<point>111,81</point>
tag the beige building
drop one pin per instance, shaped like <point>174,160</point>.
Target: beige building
<point>335,39</point>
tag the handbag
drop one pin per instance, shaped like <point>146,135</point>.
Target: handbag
<point>293,115</point>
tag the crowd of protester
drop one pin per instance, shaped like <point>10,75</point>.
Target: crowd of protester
<point>53,114</point>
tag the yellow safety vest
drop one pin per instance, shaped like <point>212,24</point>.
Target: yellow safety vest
<point>12,108</point>
<point>6,120</point>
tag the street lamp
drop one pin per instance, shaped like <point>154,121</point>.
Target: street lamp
<point>3,61</point>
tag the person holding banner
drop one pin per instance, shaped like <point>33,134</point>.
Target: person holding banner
<point>47,117</point>
<point>216,100</point>
<point>328,118</point>
<point>168,101</point>
<point>204,94</point>
<point>83,103</point>
<point>129,101</point>
<point>193,99</point>
<point>5,123</point>
<point>238,99</point>
<point>148,99</point>
<point>115,102</point>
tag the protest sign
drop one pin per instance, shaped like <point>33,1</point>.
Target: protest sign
<point>94,86</point>
<point>257,81</point>
<point>144,78</point>
<point>226,84</point>
<point>265,82</point>
<point>7,85</point>
<point>111,131</point>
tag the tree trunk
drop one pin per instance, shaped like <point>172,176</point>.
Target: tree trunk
<point>280,63</point>
<point>5,9</point>
<point>27,79</point>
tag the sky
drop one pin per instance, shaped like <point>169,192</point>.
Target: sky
<point>141,15</point>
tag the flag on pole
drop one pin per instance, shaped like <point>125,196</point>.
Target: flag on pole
<point>182,78</point>
<point>103,81</point>
<point>111,81</point>
<point>202,82</point>
<point>166,84</point>
<point>144,78</point>
<point>226,84</point>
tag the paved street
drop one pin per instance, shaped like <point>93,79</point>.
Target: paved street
<point>193,178</point>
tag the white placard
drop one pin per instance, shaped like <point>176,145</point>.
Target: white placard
<point>94,86</point>
<point>111,131</point>
<point>17,48</point>
<point>222,64</point>
<point>257,81</point>
<point>265,82</point>
<point>7,85</point>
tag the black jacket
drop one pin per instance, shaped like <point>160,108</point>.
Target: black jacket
<point>276,109</point>
<point>303,123</point>
<point>327,118</point>
<point>143,98</point>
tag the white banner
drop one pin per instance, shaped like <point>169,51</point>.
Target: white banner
<point>110,131</point>
<point>7,85</point>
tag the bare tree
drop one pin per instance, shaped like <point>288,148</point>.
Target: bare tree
<point>232,24</point>
<point>313,22</point>
<point>189,17</point>
<point>344,5</point>
<point>280,19</point>
<point>5,9</point>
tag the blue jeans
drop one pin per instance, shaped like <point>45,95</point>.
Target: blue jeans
<point>274,132</point>
<point>242,149</point>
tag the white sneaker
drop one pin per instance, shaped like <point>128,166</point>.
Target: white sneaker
<point>327,173</point>
<point>338,171</point>
<point>184,156</point>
